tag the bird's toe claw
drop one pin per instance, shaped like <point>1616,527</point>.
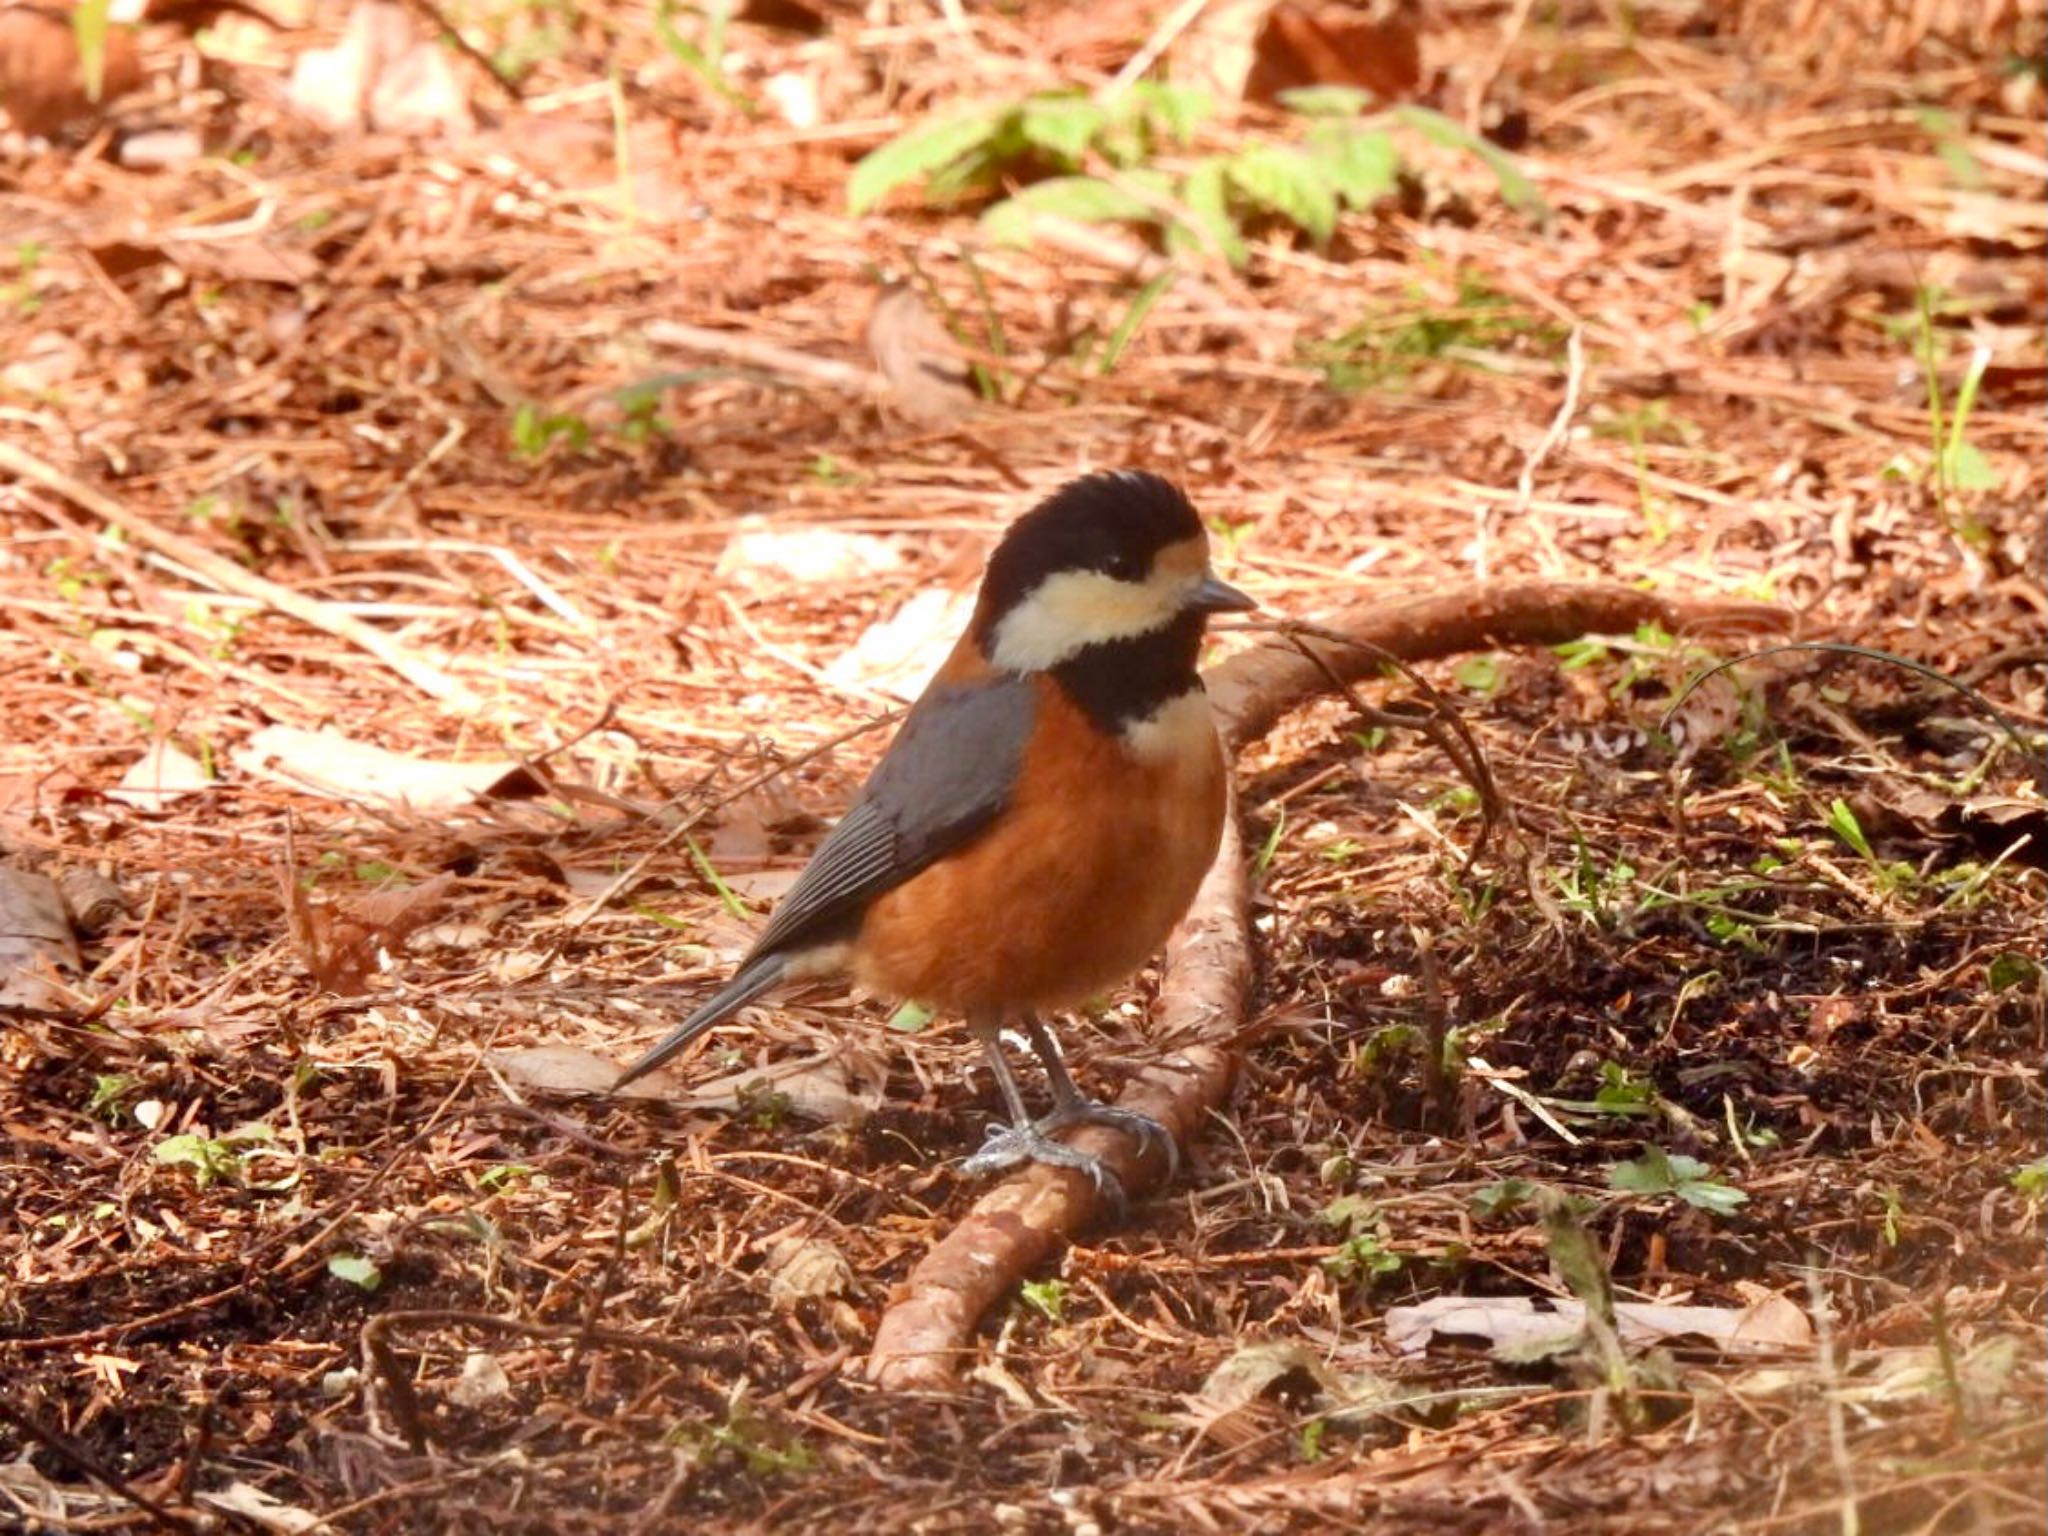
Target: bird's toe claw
<point>1143,1127</point>
<point>1008,1145</point>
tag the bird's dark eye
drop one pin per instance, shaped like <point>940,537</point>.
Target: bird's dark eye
<point>1126,566</point>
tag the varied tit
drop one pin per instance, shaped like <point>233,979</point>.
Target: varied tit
<point>1046,811</point>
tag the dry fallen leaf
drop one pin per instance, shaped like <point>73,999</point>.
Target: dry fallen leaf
<point>344,948</point>
<point>762,556</point>
<point>1769,1325</point>
<point>329,763</point>
<point>794,96</point>
<point>1228,1408</point>
<point>483,1381</point>
<point>94,899</point>
<point>921,361</point>
<point>1373,46</point>
<point>42,363</point>
<point>381,75</point>
<point>569,1069</point>
<point>899,654</point>
<point>812,1088</point>
<point>160,776</point>
<point>806,1269</point>
<point>265,1511</point>
<point>1257,49</point>
<point>159,149</point>
<point>35,937</point>
<point>782,15</point>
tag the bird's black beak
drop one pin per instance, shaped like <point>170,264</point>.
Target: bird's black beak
<point>1214,596</point>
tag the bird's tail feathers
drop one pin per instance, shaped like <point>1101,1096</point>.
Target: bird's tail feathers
<point>751,981</point>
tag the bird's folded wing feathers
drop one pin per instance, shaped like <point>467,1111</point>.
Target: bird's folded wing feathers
<point>952,767</point>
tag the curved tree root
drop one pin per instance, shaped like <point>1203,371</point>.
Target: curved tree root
<point>1206,982</point>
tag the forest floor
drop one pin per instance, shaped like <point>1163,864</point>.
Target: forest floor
<point>390,564</point>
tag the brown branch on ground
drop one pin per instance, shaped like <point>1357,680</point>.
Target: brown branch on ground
<point>1206,980</point>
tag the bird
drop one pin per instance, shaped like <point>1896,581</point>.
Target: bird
<point>1044,814</point>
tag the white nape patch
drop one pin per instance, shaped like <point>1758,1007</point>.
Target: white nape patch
<point>1071,610</point>
<point>1181,730</point>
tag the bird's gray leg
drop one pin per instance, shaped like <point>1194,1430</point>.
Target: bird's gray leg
<point>1070,1106</point>
<point>988,1029</point>
<point>1025,1140</point>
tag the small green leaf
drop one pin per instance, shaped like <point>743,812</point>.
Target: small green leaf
<point>918,152</point>
<point>1657,1172</point>
<point>1047,1297</point>
<point>2031,1181</point>
<point>1507,1195</point>
<point>108,1090</point>
<point>1349,1213</point>
<point>1711,1195</point>
<point>1361,164</point>
<point>1134,317</point>
<point>1952,147</point>
<point>1271,846</point>
<point>1287,182</point>
<point>909,1018</point>
<point>1206,197</point>
<point>1084,199</point>
<point>1516,189</point>
<point>2006,971</point>
<point>1177,109</point>
<point>1481,674</point>
<point>1574,654</point>
<point>976,170</point>
<point>209,1158</point>
<point>89,30</point>
<point>733,905</point>
<point>356,1270</point>
<point>1062,126</point>
<point>762,1104</point>
<point>1843,823</point>
<point>705,60</point>
<point>1620,1091</point>
<point>1327,100</point>
<point>1311,1444</point>
<point>1650,1174</point>
<point>1362,1256</point>
<point>1964,468</point>
<point>1574,1254</point>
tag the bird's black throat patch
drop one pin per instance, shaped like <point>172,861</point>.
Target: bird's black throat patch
<point>1124,680</point>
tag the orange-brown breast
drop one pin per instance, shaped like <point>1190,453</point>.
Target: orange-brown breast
<point>1075,887</point>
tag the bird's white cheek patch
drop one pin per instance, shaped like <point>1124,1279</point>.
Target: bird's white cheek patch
<point>1071,611</point>
<point>1179,731</point>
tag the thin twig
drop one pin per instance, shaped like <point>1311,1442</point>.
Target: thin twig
<point>228,576</point>
<point>76,1459</point>
<point>683,828</point>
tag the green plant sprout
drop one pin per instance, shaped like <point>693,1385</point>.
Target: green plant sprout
<point>1069,155</point>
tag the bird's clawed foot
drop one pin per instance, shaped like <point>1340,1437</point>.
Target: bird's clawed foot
<point>1146,1130</point>
<point>1025,1140</point>
<point>1032,1142</point>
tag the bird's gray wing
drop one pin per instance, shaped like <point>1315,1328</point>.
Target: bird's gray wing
<point>945,778</point>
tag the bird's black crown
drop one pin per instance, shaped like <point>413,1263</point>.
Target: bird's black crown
<point>1114,522</point>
